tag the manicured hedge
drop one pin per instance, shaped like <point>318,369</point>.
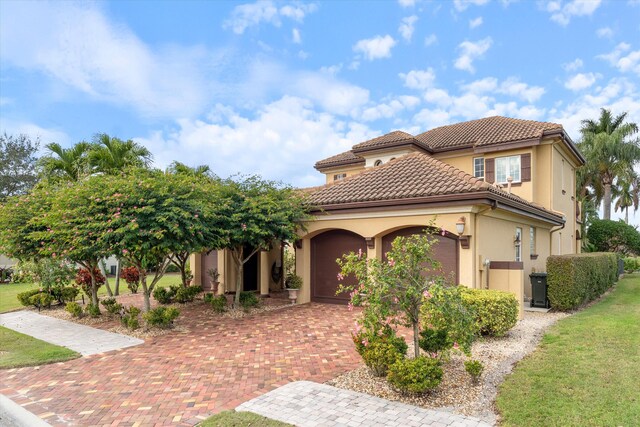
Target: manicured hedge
<point>495,311</point>
<point>576,279</point>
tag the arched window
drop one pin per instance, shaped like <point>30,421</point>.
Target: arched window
<point>377,163</point>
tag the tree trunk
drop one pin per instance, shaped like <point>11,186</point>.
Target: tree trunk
<point>239,279</point>
<point>117,289</point>
<point>94,287</point>
<point>626,214</point>
<point>103,264</point>
<point>416,334</point>
<point>607,201</point>
<point>145,290</point>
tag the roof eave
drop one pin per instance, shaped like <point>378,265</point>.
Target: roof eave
<point>568,142</point>
<point>338,164</point>
<point>395,144</point>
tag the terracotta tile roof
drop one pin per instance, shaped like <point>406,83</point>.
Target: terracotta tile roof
<point>415,175</point>
<point>347,157</point>
<point>487,131</point>
<point>391,138</point>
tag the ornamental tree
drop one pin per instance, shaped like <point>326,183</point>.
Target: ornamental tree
<point>258,214</point>
<point>393,291</point>
<point>153,215</point>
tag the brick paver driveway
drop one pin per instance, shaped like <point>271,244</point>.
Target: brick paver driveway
<point>179,378</point>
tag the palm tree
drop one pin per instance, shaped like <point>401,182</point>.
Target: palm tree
<point>609,152</point>
<point>179,168</point>
<point>66,163</point>
<point>112,155</point>
<point>628,195</point>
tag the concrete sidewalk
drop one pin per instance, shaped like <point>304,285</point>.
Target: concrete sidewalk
<point>83,339</point>
<point>309,404</point>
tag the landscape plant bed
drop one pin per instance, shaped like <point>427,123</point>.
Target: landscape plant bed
<point>456,392</point>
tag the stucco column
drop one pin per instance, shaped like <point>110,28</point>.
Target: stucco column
<point>222,253</point>
<point>264,272</point>
<point>303,269</point>
<point>195,263</point>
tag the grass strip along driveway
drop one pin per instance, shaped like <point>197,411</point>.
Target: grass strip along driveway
<point>586,370</point>
<point>17,350</point>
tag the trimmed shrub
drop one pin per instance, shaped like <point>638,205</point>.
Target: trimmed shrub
<point>447,310</point>
<point>631,265</point>
<point>92,310</point>
<point>111,305</point>
<point>161,317</point>
<point>474,368</point>
<point>83,279</point>
<point>576,279</point>
<point>362,339</point>
<point>435,341</point>
<point>75,309</point>
<point>218,304</point>
<point>41,300</point>
<point>130,318</point>
<point>25,297</point>
<point>132,277</point>
<point>417,375</point>
<point>379,355</point>
<point>495,311</point>
<point>164,295</point>
<point>65,294</point>
<point>188,294</point>
<point>614,236</point>
<point>248,299</point>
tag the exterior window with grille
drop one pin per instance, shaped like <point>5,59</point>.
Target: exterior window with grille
<point>507,167</point>
<point>478,167</point>
<point>377,163</point>
<point>518,243</point>
<point>532,240</point>
<point>339,176</point>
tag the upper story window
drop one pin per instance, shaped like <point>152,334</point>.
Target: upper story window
<point>532,240</point>
<point>377,163</point>
<point>507,167</point>
<point>339,176</point>
<point>478,167</point>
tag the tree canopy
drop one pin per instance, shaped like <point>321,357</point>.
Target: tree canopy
<point>17,164</point>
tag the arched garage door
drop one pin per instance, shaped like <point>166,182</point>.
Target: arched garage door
<point>325,249</point>
<point>445,250</point>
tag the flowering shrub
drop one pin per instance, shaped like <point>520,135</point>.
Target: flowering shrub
<point>415,375</point>
<point>83,279</point>
<point>132,277</point>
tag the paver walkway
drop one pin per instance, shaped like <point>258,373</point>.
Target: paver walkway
<point>308,404</point>
<point>211,364</point>
<point>83,339</point>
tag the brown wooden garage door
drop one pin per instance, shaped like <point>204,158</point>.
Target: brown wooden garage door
<point>445,250</point>
<point>326,248</point>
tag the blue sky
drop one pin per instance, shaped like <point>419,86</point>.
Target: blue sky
<point>271,87</point>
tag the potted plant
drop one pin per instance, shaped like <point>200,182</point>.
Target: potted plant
<point>214,275</point>
<point>293,283</point>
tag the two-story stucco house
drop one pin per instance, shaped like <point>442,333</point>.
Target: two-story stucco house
<point>501,192</point>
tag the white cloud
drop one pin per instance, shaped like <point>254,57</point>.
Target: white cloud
<point>77,44</point>
<point>295,35</point>
<point>248,15</point>
<point>469,52</point>
<point>630,62</point>
<point>332,70</point>
<point>407,27</point>
<point>581,81</point>
<point>430,39</point>
<point>563,14</point>
<point>282,141</point>
<point>418,79</point>
<point>46,135</point>
<point>474,23</point>
<point>604,32</point>
<point>407,3</point>
<point>487,84</point>
<point>438,96</point>
<point>390,108</point>
<point>462,5</point>
<point>514,87</point>
<point>375,48</point>
<point>573,65</point>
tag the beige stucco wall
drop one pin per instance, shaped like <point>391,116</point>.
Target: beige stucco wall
<point>349,170</point>
<point>384,157</point>
<point>563,200</point>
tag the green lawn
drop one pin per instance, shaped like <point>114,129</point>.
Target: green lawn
<point>8,292</point>
<point>240,419</point>
<point>18,350</point>
<point>585,372</point>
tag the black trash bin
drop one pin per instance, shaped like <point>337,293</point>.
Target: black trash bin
<point>539,289</point>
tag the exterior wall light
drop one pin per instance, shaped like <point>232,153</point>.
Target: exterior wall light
<point>465,240</point>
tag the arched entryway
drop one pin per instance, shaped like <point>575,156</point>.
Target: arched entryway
<point>326,248</point>
<point>445,250</point>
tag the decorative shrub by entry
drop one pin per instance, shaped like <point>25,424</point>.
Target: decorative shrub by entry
<point>576,279</point>
<point>416,375</point>
<point>496,311</point>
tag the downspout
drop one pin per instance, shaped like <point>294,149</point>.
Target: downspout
<point>557,228</point>
<point>493,206</point>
